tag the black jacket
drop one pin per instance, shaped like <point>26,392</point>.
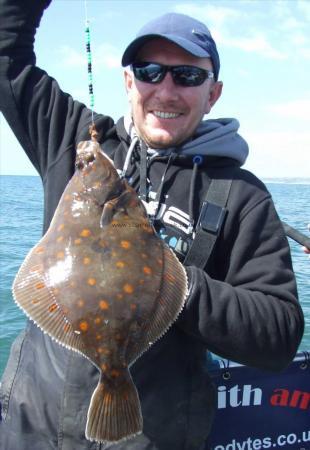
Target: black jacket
<point>243,306</point>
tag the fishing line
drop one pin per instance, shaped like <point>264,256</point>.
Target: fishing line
<point>92,129</point>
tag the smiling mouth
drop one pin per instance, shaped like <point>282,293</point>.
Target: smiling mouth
<point>166,115</point>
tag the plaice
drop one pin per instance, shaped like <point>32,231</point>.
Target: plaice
<point>102,283</point>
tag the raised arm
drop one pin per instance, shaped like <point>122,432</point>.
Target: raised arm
<point>46,121</point>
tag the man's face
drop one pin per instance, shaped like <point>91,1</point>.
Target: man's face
<point>166,114</point>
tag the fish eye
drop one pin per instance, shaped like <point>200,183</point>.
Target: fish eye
<point>84,160</point>
<point>90,158</point>
<point>79,165</point>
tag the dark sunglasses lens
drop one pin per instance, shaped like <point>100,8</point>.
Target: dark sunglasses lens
<point>149,73</point>
<point>188,75</point>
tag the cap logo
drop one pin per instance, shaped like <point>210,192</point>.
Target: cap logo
<point>202,36</point>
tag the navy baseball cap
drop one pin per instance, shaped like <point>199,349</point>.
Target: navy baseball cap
<point>188,33</point>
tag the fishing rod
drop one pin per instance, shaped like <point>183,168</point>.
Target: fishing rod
<point>296,235</point>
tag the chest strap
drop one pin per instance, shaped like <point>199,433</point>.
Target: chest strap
<point>210,222</point>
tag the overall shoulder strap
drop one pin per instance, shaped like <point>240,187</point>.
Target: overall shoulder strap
<point>211,219</point>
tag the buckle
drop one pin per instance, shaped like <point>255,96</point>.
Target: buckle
<point>211,217</point>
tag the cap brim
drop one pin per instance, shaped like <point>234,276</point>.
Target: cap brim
<point>133,48</point>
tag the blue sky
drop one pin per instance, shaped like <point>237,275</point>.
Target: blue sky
<point>264,47</point>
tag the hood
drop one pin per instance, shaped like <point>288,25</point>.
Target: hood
<point>213,137</point>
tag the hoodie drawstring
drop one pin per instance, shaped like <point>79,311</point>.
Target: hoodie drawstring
<point>143,172</point>
<point>143,191</point>
<point>134,141</point>
<point>197,160</point>
<point>159,192</point>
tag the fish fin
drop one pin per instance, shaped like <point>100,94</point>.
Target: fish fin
<point>126,203</point>
<point>169,303</point>
<point>171,298</point>
<point>114,412</point>
<point>107,213</point>
<point>37,300</point>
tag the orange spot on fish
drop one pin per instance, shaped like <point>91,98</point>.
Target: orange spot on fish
<point>60,255</point>
<point>85,233</point>
<point>60,239</point>
<point>81,303</point>
<point>103,304</point>
<point>115,373</point>
<point>91,281</point>
<point>83,325</point>
<point>147,270</point>
<point>120,264</point>
<point>98,337</point>
<point>125,244</point>
<point>97,320</point>
<point>34,301</point>
<point>141,281</point>
<point>77,241</point>
<point>66,328</point>
<point>39,285</point>
<point>86,261</point>
<point>39,250</point>
<point>128,288</point>
<point>114,223</point>
<point>52,307</point>
<point>102,243</point>
<point>61,227</point>
<point>104,367</point>
<point>103,350</point>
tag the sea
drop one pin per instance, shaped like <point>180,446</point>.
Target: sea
<point>21,212</point>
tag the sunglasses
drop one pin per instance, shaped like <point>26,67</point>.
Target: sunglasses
<point>182,75</point>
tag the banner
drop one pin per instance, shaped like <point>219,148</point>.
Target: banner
<point>261,410</point>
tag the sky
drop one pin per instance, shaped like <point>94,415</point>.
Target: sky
<point>264,47</point>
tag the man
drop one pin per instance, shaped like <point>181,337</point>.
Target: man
<point>242,305</point>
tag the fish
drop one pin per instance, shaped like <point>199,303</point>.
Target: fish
<point>102,283</point>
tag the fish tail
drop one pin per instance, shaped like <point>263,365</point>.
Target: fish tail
<point>114,412</point>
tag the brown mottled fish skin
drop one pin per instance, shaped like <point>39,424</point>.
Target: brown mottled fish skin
<point>102,283</point>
